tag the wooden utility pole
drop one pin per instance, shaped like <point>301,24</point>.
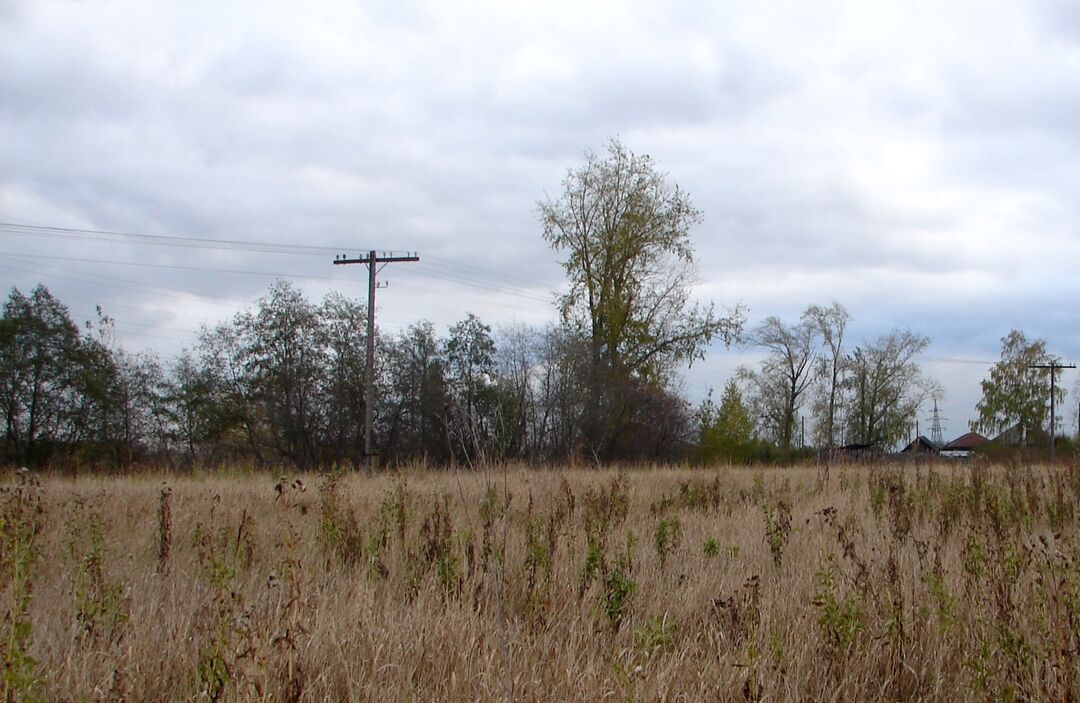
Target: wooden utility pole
<point>1054,367</point>
<point>372,259</point>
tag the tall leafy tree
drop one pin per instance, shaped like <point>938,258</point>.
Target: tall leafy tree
<point>661,427</point>
<point>199,411</point>
<point>115,420</point>
<point>562,401</point>
<point>885,388</point>
<point>225,365</point>
<point>831,323</point>
<point>345,329</point>
<point>41,362</point>
<point>288,363</point>
<point>1017,395</point>
<point>516,356</point>
<point>470,365</point>
<point>785,374</point>
<point>626,233</point>
<point>131,407</point>
<point>414,415</point>
<point>727,431</point>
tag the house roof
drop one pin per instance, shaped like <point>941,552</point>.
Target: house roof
<point>967,441</point>
<point>919,445</point>
<point>857,447</point>
<point>1014,436</point>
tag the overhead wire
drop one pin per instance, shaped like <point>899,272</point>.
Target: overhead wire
<point>112,305</point>
<point>170,241</point>
<point>505,290</point>
<point>31,263</point>
<point>76,304</point>
<point>466,274</point>
<point>453,272</point>
<point>180,267</point>
<point>143,287</point>
<point>279,274</point>
<point>147,311</point>
<point>513,279</point>
<point>955,360</point>
<point>66,275</point>
<point>140,328</point>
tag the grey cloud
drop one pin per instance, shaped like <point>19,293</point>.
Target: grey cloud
<point>913,167</point>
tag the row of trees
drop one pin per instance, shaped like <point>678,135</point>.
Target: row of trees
<point>868,395</point>
<point>283,382</point>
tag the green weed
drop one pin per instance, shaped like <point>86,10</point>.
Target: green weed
<point>777,530</point>
<point>21,522</point>
<point>666,538</point>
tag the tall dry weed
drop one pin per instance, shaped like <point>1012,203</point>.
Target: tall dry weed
<point>905,583</point>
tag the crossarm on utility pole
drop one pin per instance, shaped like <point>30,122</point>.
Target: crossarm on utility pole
<point>1054,367</point>
<point>372,259</point>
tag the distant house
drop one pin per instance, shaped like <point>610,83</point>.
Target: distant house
<point>1011,437</point>
<point>920,445</point>
<point>1014,437</point>
<point>963,446</point>
<point>856,452</point>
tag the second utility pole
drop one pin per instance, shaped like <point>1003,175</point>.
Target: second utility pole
<point>1054,367</point>
<point>372,260</point>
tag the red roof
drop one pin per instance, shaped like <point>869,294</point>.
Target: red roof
<point>967,441</point>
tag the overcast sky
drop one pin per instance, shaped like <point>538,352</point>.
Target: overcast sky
<point>920,165</point>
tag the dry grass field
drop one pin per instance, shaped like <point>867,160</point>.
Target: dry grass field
<point>943,582</point>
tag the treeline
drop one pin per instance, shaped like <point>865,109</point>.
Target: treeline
<point>812,390</point>
<point>283,383</point>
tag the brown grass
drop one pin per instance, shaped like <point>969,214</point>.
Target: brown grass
<point>932,583</point>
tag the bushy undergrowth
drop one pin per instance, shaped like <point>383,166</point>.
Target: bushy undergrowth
<point>901,583</point>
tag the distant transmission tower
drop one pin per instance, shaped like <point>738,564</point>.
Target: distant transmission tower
<point>935,427</point>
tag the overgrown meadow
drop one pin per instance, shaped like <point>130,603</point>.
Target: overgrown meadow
<point>939,582</point>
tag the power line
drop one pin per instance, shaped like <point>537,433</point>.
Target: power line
<point>143,288</point>
<point>184,296</point>
<point>498,282</point>
<point>166,240</point>
<point>128,323</point>
<point>449,277</point>
<point>127,306</point>
<point>954,360</point>
<point>179,267</point>
<point>517,292</point>
<point>223,244</point>
<point>147,311</point>
<point>513,279</point>
<point>163,337</point>
<point>149,335</point>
